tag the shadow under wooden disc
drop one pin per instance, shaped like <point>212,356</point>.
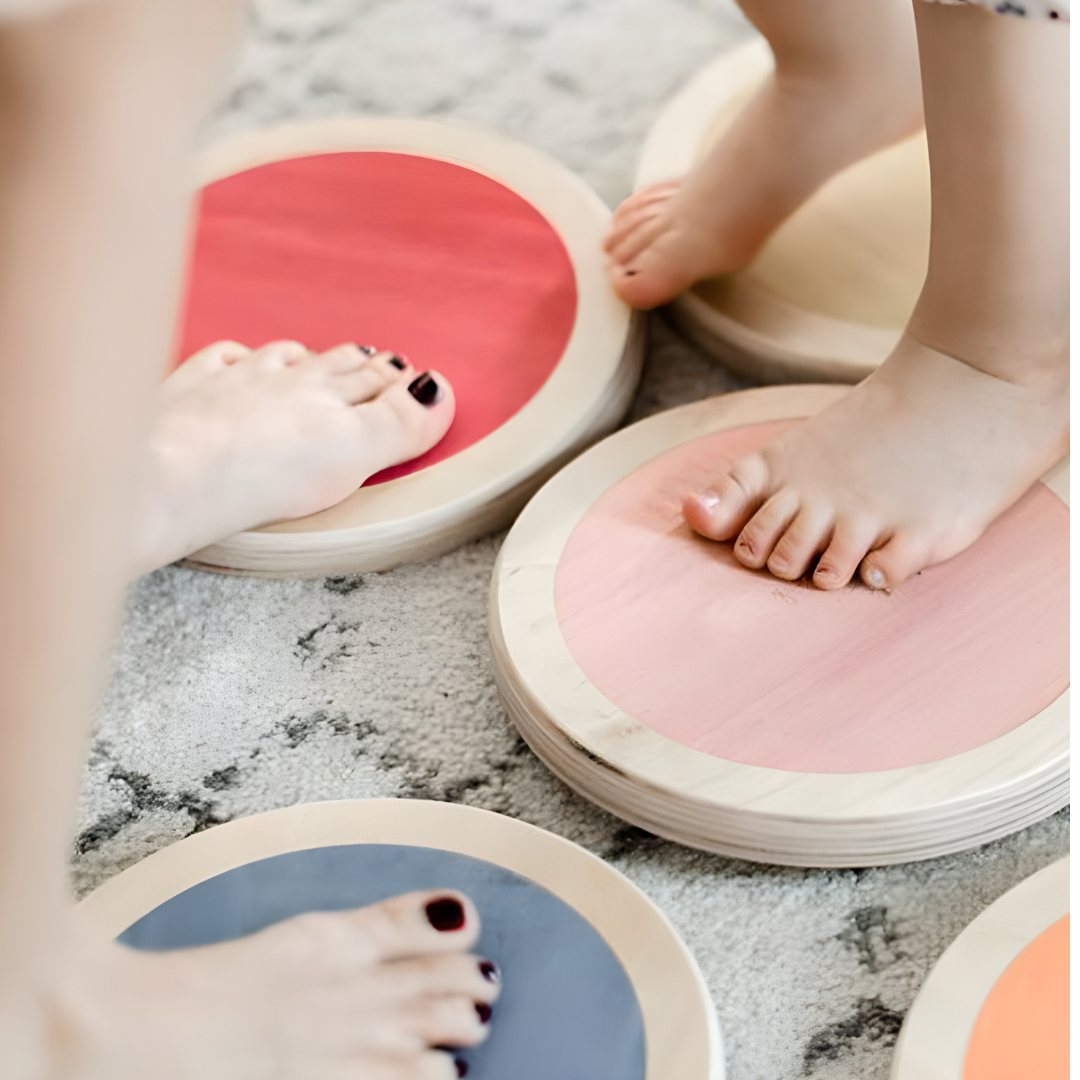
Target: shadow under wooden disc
<point>830,293</point>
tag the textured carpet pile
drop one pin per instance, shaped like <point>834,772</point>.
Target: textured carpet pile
<point>232,696</point>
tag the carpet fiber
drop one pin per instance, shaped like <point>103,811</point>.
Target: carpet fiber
<point>233,696</point>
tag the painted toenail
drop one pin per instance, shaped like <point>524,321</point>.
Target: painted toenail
<point>426,390</point>
<point>396,361</point>
<point>490,970</point>
<point>875,578</point>
<point>367,350</point>
<point>445,914</point>
<point>461,1065</point>
<point>483,1010</point>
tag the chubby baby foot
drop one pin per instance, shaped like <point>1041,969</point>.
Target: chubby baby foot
<point>245,436</point>
<point>846,84</point>
<point>385,992</point>
<point>905,471</point>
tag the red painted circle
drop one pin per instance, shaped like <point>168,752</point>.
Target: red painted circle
<point>432,259</point>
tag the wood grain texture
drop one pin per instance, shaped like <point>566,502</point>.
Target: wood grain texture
<point>802,818</point>
<point>682,1036</point>
<point>937,1030</point>
<point>480,488</point>
<point>829,294</point>
<point>678,633</point>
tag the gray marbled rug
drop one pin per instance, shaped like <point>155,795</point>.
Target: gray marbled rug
<point>233,696</point>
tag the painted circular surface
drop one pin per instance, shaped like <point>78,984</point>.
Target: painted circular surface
<point>1023,1027</point>
<point>733,662</point>
<point>434,260</point>
<point>567,1009</point>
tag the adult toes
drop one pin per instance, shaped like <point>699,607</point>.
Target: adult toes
<point>760,534</point>
<point>409,417</point>
<point>207,361</point>
<point>720,512</point>
<point>802,541</point>
<point>372,376</point>
<point>415,924</point>
<point>851,540</point>
<point>442,974</point>
<point>446,1021</point>
<point>894,562</point>
<point>275,355</point>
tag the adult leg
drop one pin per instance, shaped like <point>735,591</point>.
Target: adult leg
<point>99,105</point>
<point>846,84</point>
<point>972,407</point>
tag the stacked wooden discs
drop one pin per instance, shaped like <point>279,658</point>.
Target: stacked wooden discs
<point>471,255</point>
<point>731,711</point>
<point>829,294</point>
<point>596,984</point>
<point>996,1005</point>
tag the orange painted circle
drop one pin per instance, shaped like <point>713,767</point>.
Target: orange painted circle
<point>737,664</point>
<point>1022,1030</point>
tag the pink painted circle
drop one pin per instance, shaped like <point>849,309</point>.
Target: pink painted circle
<point>735,663</point>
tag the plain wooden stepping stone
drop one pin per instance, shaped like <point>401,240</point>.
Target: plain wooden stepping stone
<point>597,985</point>
<point>996,1004</point>
<point>830,293</point>
<point>731,711</point>
<point>464,251</point>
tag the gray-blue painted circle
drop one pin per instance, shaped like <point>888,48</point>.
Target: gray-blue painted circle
<point>567,1011</point>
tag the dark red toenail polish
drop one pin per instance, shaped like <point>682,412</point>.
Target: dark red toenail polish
<point>396,361</point>
<point>490,971</point>
<point>367,350</point>
<point>461,1066</point>
<point>483,1010</point>
<point>426,390</point>
<point>445,914</point>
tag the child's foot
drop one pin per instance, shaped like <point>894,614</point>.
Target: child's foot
<point>905,471</point>
<point>822,110</point>
<point>245,437</point>
<point>370,994</point>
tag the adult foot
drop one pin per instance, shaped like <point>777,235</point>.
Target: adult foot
<point>380,993</point>
<point>846,84</point>
<point>905,471</point>
<point>244,437</point>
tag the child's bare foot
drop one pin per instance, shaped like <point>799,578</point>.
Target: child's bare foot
<point>905,471</point>
<point>244,437</point>
<point>369,994</point>
<point>846,84</point>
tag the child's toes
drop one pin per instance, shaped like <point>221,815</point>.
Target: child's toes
<point>760,534</point>
<point>851,540</point>
<point>895,561</point>
<point>802,541</point>
<point>720,512</point>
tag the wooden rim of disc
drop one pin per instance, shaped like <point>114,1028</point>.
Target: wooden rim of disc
<point>746,811</point>
<point>478,490</point>
<point>936,1031</point>
<point>829,295</point>
<point>682,1036</point>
